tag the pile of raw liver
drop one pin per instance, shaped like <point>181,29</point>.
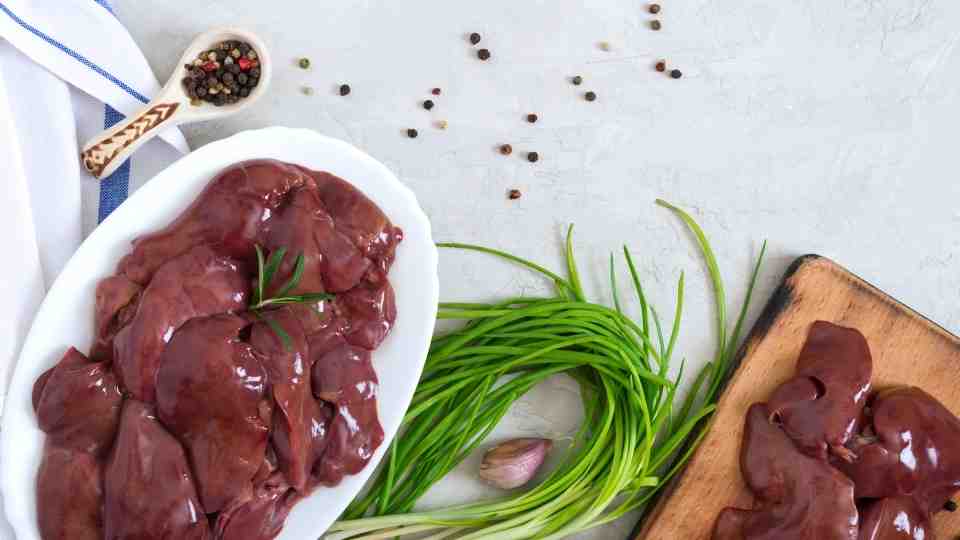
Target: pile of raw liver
<point>828,460</point>
<point>193,419</point>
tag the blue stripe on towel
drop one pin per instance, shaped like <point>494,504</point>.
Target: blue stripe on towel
<point>105,4</point>
<point>75,55</point>
<point>114,188</point>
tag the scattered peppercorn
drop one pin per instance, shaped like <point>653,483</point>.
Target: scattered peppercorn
<point>435,91</point>
<point>514,194</point>
<point>605,45</point>
<point>590,96</point>
<point>661,66</point>
<point>532,118</point>
<point>412,133</point>
<point>506,149</point>
<point>442,124</point>
<point>483,54</point>
<point>344,89</point>
<point>654,8</point>
<point>676,74</point>
<point>307,91</point>
<point>655,25</point>
<point>950,506</point>
<point>533,157</point>
<point>428,104</point>
<point>474,38</point>
<point>304,62</point>
<point>223,74</point>
<point>577,80</point>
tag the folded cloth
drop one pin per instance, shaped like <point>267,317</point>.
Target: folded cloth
<point>68,69</point>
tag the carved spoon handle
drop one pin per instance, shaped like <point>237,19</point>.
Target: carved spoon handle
<point>103,155</point>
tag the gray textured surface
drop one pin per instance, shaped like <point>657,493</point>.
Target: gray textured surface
<point>827,129</point>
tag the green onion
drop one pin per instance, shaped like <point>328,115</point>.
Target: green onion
<point>635,436</point>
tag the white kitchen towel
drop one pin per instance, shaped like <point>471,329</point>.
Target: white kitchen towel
<point>68,69</point>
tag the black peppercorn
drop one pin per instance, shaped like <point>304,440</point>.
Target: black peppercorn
<point>514,194</point>
<point>483,54</point>
<point>506,149</point>
<point>533,157</point>
<point>217,75</point>
<point>577,80</point>
<point>428,104</point>
<point>676,74</point>
<point>950,506</point>
<point>412,133</point>
<point>474,38</point>
<point>304,63</point>
<point>655,25</point>
<point>654,8</point>
<point>344,89</point>
<point>532,118</point>
<point>661,66</point>
<point>590,96</point>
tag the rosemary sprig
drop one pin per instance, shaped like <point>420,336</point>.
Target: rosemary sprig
<point>266,271</point>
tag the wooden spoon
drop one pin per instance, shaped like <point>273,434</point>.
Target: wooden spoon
<point>171,107</point>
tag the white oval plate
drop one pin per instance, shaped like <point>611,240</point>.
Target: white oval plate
<point>66,316</point>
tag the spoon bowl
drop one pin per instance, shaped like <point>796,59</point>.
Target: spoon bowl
<point>172,106</point>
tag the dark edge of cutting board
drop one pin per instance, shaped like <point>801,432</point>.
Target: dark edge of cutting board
<point>779,301</point>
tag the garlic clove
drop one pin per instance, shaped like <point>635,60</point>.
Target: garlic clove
<point>515,462</point>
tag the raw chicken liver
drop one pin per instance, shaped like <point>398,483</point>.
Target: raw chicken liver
<point>819,407</point>
<point>344,377</point>
<point>197,283</point>
<point>227,216</point>
<point>797,497</point>
<point>297,424</point>
<point>150,494</point>
<point>911,447</point>
<point>211,394</point>
<point>78,404</point>
<point>259,516</point>
<point>116,303</point>
<point>194,411</point>
<point>303,226</point>
<point>359,219</point>
<point>900,453</point>
<point>69,484</point>
<point>895,518</point>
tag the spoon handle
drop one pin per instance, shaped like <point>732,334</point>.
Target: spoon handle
<point>103,155</point>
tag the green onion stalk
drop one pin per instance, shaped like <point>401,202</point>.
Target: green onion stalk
<point>636,434</point>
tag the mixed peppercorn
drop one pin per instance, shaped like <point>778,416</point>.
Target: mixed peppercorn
<point>223,74</point>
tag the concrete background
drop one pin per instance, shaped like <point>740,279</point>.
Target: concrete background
<point>822,127</point>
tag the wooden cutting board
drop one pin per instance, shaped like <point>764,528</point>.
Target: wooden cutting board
<point>906,347</point>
